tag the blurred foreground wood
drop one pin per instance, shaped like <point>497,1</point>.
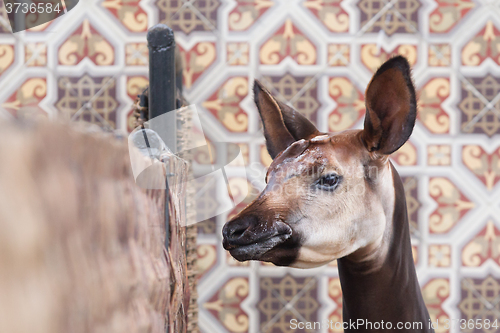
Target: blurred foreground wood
<point>81,245</point>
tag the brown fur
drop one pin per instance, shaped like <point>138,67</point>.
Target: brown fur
<point>337,196</point>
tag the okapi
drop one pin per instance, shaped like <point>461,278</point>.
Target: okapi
<point>337,196</point>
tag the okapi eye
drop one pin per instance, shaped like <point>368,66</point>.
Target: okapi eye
<point>328,182</point>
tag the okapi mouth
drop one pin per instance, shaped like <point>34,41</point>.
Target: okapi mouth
<point>257,251</point>
<point>252,244</point>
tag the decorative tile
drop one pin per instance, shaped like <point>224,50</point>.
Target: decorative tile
<point>471,105</point>
<point>23,104</point>
<point>35,54</point>
<point>238,54</point>
<point>6,57</point>
<point>74,95</point>
<point>284,299</point>
<point>452,205</point>
<point>486,44</point>
<point>137,54</point>
<point>480,300</point>
<point>439,55</point>
<point>330,13</point>
<point>431,113</point>
<point>225,305</point>
<point>483,246</point>
<point>406,155</point>
<point>288,41</point>
<point>412,204</point>
<point>439,155</point>
<point>224,104</point>
<point>373,56</point>
<point>189,17</point>
<point>439,255</point>
<point>206,258</point>
<point>335,293</point>
<point>484,166</point>
<point>339,54</point>
<point>448,14</point>
<point>84,42</point>
<point>246,13</point>
<point>435,292</point>
<point>288,86</point>
<point>129,13</point>
<point>400,18</point>
<point>350,104</point>
<point>196,61</point>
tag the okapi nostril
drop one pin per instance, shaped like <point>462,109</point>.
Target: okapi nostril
<point>237,233</point>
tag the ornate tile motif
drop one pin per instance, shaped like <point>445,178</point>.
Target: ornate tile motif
<point>439,155</point>
<point>137,54</point>
<point>412,204</point>
<point>84,42</point>
<point>439,55</point>
<point>284,299</point>
<point>373,56</point>
<point>439,255</point>
<point>338,54</point>
<point>406,155</point>
<point>335,293</point>
<point>6,57</point>
<point>435,292</point>
<point>350,104</point>
<point>473,105</point>
<point>224,104</point>
<point>128,13</point>
<point>452,205</point>
<point>196,61</point>
<point>484,166</point>
<point>330,13</point>
<point>480,301</point>
<point>77,99</point>
<point>431,113</point>
<point>288,41</point>
<point>238,54</point>
<point>225,305</point>
<point>246,13</point>
<point>482,247</point>
<point>486,44</point>
<point>23,104</point>
<point>36,54</point>
<point>400,18</point>
<point>189,17</point>
<point>448,13</point>
<point>206,258</point>
<point>302,92</point>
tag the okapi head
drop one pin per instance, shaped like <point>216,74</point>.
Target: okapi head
<point>328,195</point>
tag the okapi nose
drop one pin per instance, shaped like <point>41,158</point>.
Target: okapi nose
<point>249,229</point>
<point>240,231</point>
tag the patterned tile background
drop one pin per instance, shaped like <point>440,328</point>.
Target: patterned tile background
<point>317,55</point>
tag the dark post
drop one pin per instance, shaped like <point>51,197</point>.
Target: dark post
<point>162,94</point>
<point>162,84</point>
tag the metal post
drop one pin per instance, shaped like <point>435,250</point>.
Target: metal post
<point>162,84</point>
<point>162,94</point>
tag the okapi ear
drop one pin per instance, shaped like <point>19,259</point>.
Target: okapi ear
<point>391,107</point>
<point>282,124</point>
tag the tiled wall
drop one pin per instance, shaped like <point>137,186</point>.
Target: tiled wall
<point>319,56</point>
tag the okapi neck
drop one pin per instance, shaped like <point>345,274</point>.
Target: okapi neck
<point>389,291</point>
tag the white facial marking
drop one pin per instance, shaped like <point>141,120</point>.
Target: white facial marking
<point>348,220</point>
